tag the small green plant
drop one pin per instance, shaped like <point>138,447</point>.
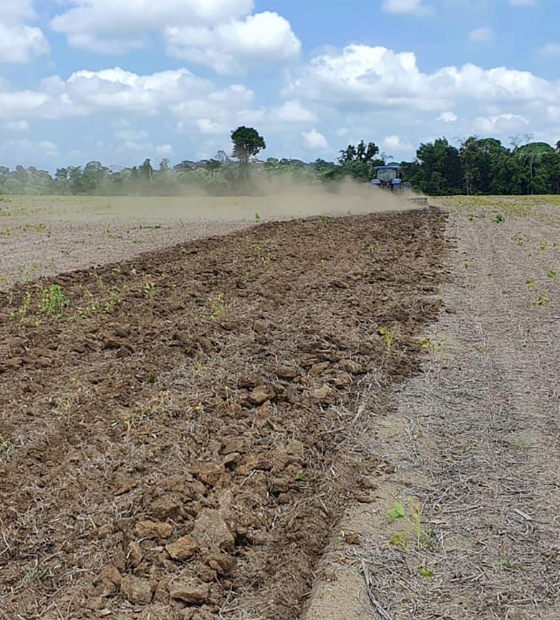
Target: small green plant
<point>198,368</point>
<point>424,572</point>
<point>552,274</point>
<point>499,219</point>
<point>531,283</point>
<point>36,573</point>
<point>371,248</point>
<point>510,565</point>
<point>543,245</point>
<point>400,539</point>
<point>52,300</point>
<point>6,446</point>
<point>398,511</point>
<point>264,257</point>
<point>218,309</point>
<point>466,265</point>
<point>149,289</point>
<point>257,218</point>
<point>411,512</point>
<point>325,219</point>
<point>386,337</point>
<point>542,300</point>
<point>21,313</point>
<point>152,378</point>
<point>428,343</point>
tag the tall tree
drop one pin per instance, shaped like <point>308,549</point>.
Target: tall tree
<point>247,143</point>
<point>439,168</point>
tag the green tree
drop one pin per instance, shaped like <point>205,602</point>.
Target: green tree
<point>439,168</point>
<point>247,143</point>
<point>364,153</point>
<point>480,160</point>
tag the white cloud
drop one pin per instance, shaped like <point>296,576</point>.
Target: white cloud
<point>359,76</point>
<point>481,35</point>
<point>447,117</point>
<point>131,135</point>
<point>19,126</point>
<point>551,49</point>
<point>314,141</point>
<point>397,145</point>
<point>222,34</point>
<point>264,37</point>
<point>49,148</point>
<point>500,123</point>
<point>198,105</point>
<point>416,7</point>
<point>342,132</point>
<point>27,148</point>
<point>293,112</point>
<point>164,150</point>
<point>19,42</point>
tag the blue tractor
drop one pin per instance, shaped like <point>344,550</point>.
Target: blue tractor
<point>389,178</point>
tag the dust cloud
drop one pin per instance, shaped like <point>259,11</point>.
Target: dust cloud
<point>276,198</point>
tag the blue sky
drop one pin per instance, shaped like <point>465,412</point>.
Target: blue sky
<point>119,81</point>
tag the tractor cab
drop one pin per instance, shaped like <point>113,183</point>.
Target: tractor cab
<point>388,177</point>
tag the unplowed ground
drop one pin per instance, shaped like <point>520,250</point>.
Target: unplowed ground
<point>475,441</point>
<point>178,440</point>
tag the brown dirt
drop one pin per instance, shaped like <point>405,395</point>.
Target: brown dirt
<point>180,442</point>
<point>44,246</point>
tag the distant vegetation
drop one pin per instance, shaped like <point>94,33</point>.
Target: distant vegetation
<point>478,166</point>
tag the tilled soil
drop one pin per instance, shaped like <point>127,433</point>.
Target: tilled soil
<point>43,247</point>
<point>179,433</point>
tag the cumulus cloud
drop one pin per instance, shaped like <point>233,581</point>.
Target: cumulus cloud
<point>551,49</point>
<point>222,34</point>
<point>397,145</point>
<point>19,126</point>
<point>293,112</point>
<point>131,135</point>
<point>26,148</point>
<point>481,35</point>
<point>20,42</point>
<point>447,117</point>
<point>500,123</point>
<point>416,7</point>
<point>197,104</point>
<point>164,150</point>
<point>360,76</point>
<point>314,141</point>
<point>264,37</point>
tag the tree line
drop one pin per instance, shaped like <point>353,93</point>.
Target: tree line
<point>477,166</point>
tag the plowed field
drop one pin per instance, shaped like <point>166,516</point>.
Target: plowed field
<point>178,433</point>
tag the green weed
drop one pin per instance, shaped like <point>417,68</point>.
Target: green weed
<point>34,574</point>
<point>149,288</point>
<point>386,337</point>
<point>257,218</point>
<point>21,313</point>
<point>6,446</point>
<point>218,309</point>
<point>52,300</point>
